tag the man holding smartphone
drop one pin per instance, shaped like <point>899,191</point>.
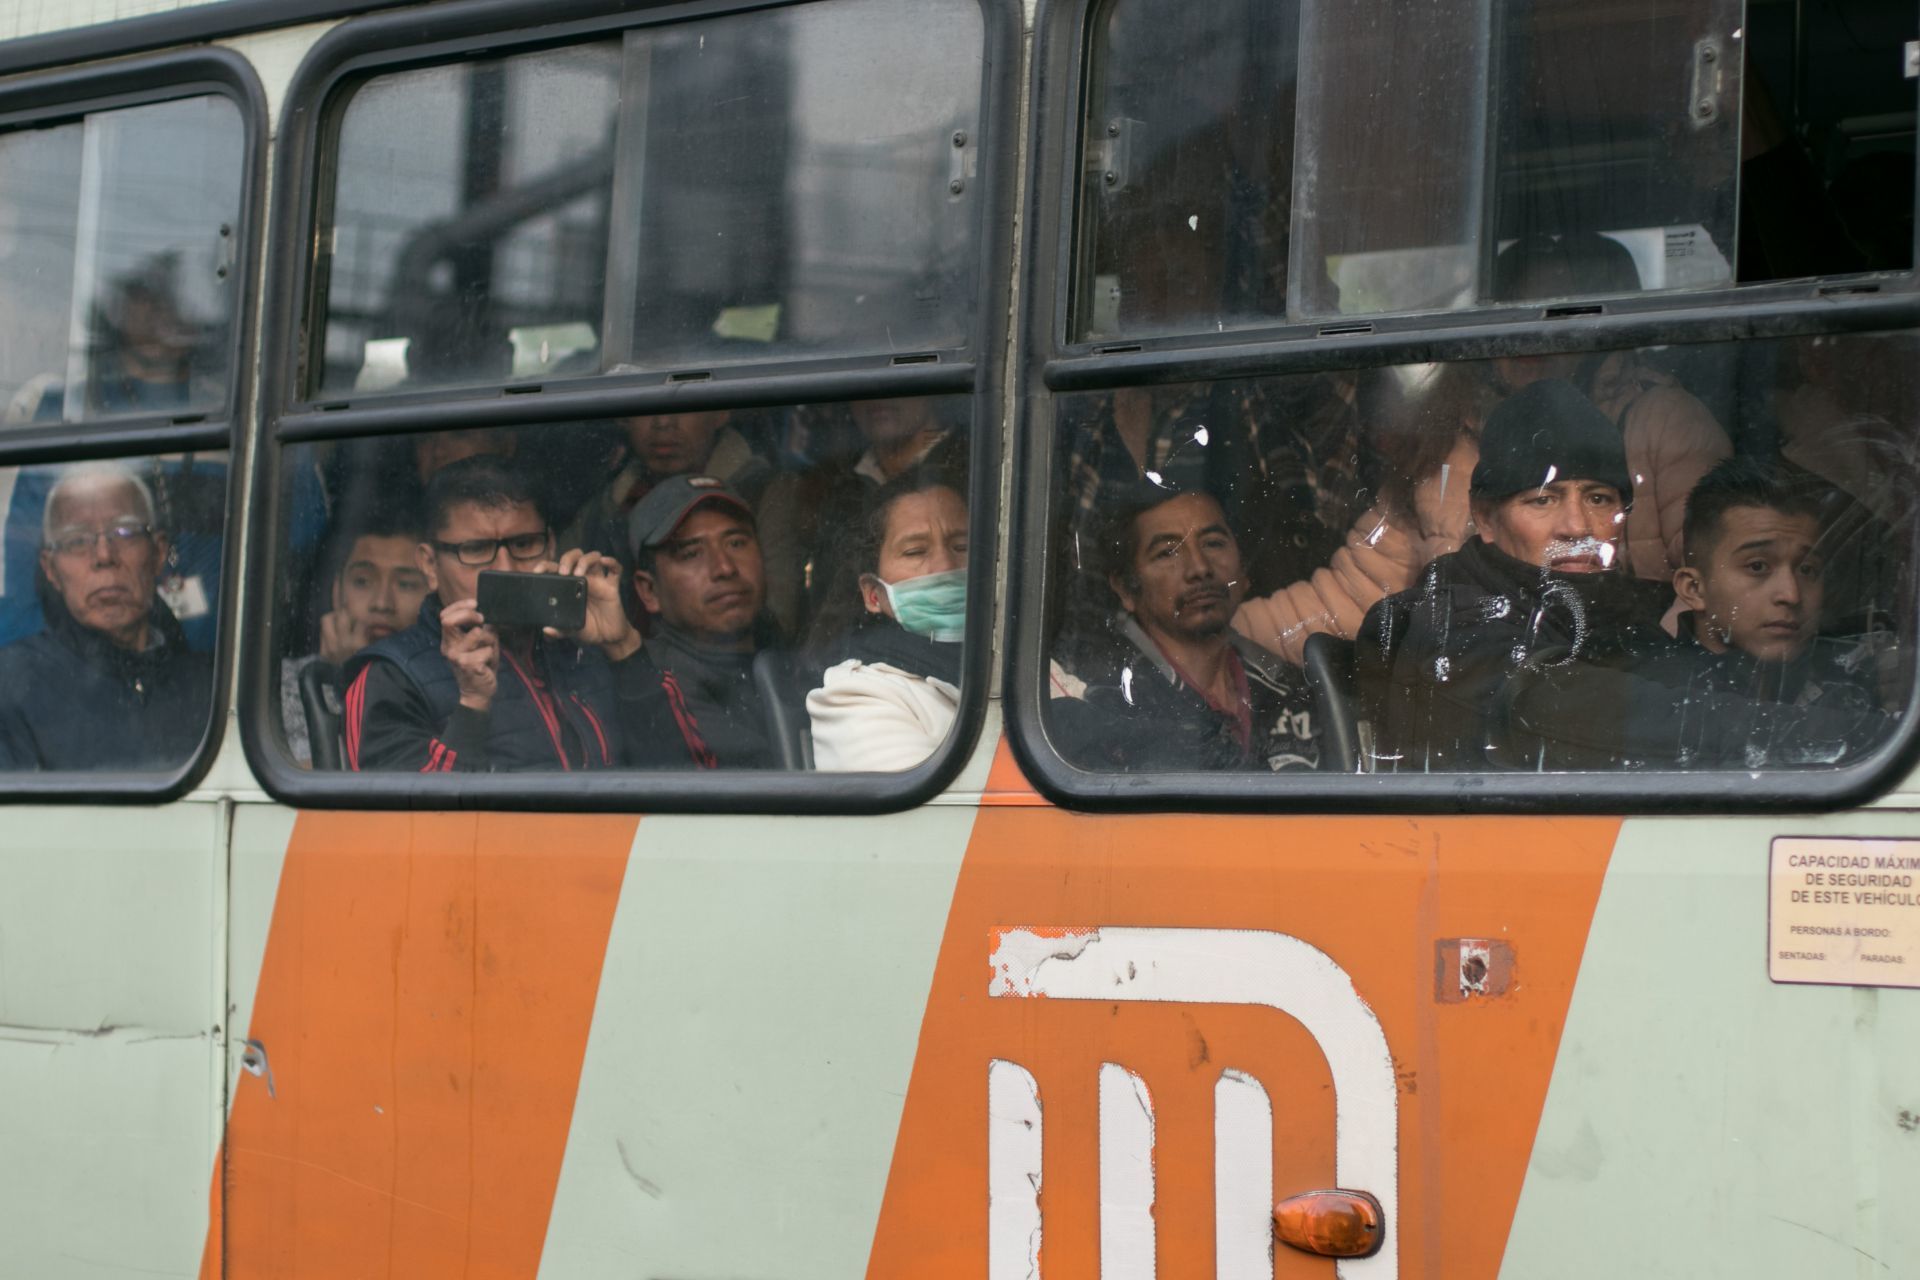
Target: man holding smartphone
<point>458,693</point>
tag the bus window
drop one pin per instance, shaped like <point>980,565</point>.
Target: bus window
<point>753,589</point>
<point>1393,119</point>
<point>1827,140</point>
<point>1319,159</point>
<point>762,185</point>
<point>118,260</point>
<point>1186,177</point>
<point>1688,557</point>
<point>109,589</point>
<point>1616,139</point>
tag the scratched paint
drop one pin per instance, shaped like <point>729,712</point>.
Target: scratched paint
<point>1013,1173</point>
<point>1242,1178</point>
<point>1126,1175</point>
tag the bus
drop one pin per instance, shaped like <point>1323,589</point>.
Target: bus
<point>1118,646</point>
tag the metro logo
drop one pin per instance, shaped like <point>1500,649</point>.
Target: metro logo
<point>1141,1091</point>
<point>1187,966</point>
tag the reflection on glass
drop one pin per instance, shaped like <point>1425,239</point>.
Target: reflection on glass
<point>1186,179</point>
<point>1619,131</point>
<point>111,577</point>
<point>1320,159</point>
<point>798,179</point>
<point>1826,140</point>
<point>1661,559</point>
<point>1393,116</point>
<point>118,244</point>
<point>746,589</point>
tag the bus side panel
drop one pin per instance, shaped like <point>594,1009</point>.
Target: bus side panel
<point>1703,1120</point>
<point>1365,931</point>
<point>762,997</point>
<point>109,1037</point>
<point>420,1018</point>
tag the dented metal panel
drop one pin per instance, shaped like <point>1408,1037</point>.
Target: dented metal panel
<point>110,1037</point>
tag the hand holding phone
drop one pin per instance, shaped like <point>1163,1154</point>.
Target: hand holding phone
<point>532,600</point>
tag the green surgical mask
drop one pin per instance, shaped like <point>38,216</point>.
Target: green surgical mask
<point>933,605</point>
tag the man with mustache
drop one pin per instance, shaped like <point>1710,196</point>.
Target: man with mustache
<point>1544,584</point>
<point>1171,686</point>
<point>109,683</point>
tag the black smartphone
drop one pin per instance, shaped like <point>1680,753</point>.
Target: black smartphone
<point>517,600</point>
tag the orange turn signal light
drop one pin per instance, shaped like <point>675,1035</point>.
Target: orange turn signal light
<point>1332,1224</point>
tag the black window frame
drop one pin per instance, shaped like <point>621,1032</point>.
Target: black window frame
<point>1049,363</point>
<point>387,42</point>
<point>71,94</point>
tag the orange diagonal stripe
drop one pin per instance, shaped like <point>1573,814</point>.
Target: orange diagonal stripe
<point>424,1006</point>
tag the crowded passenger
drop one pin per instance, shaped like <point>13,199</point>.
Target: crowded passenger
<point>1543,580</point>
<point>1751,683</point>
<point>1308,484</point>
<point>1754,589</point>
<point>658,446</point>
<point>688,698</point>
<point>802,522</point>
<point>1168,684</point>
<point>655,448</point>
<point>109,682</point>
<point>375,591</point>
<point>889,701</point>
<point>1671,438</point>
<point>1422,436</point>
<point>452,693</point>
<point>144,355</point>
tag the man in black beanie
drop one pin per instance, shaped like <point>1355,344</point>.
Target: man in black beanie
<point>1543,586</point>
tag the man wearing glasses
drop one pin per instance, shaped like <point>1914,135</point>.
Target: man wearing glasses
<point>109,683</point>
<point>454,694</point>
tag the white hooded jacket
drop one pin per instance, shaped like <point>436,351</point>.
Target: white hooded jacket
<point>874,716</point>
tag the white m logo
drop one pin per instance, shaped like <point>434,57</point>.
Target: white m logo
<point>1189,966</point>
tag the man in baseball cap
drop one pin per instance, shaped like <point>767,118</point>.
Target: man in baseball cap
<point>699,575</point>
<point>1542,586</point>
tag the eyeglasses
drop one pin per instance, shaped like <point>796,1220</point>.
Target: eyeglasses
<point>481,551</point>
<point>120,536</point>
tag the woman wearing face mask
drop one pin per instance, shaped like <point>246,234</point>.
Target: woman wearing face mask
<point>888,703</point>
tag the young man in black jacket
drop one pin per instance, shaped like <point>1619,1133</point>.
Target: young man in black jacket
<point>453,693</point>
<point>1754,589</point>
<point>1171,685</point>
<point>1749,684</point>
<point>109,684</point>
<point>688,698</point>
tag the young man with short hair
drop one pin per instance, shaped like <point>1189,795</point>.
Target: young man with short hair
<point>375,591</point>
<point>1753,589</point>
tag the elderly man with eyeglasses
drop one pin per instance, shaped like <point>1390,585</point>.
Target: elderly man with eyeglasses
<point>455,694</point>
<point>109,683</point>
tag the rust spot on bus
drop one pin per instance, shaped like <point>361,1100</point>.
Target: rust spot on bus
<point>1471,968</point>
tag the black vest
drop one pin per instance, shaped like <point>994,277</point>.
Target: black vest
<point>518,735</point>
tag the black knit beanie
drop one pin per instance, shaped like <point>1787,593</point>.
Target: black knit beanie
<point>1544,432</point>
